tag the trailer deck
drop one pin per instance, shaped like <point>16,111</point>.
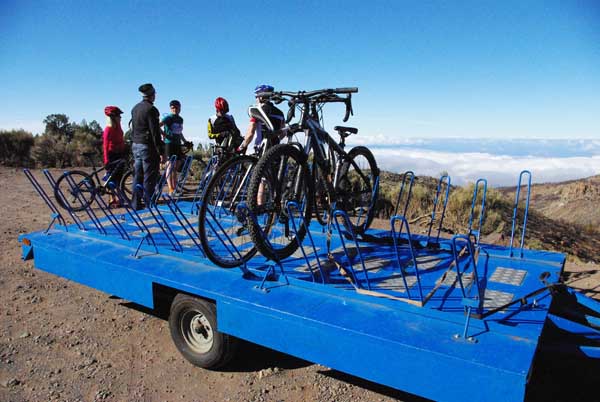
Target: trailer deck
<point>408,311</point>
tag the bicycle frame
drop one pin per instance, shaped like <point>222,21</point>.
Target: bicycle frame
<point>316,139</point>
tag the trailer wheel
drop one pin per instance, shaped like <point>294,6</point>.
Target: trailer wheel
<point>193,325</point>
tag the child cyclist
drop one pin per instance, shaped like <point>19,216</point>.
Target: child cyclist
<point>222,128</point>
<point>173,129</point>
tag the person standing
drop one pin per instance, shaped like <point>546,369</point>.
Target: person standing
<point>222,128</point>
<point>173,127</point>
<point>257,127</point>
<point>113,147</point>
<point>147,147</point>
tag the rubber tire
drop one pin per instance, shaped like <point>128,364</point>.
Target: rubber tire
<point>126,188</point>
<point>364,151</point>
<point>213,256</point>
<point>223,346</point>
<point>62,182</point>
<point>263,164</point>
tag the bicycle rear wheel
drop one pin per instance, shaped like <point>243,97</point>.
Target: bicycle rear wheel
<point>356,189</point>
<point>222,228</point>
<point>280,176</point>
<point>75,190</point>
<point>126,185</point>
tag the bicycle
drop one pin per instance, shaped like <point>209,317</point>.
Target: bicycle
<point>319,176</point>
<point>75,189</point>
<point>222,226</point>
<point>186,185</point>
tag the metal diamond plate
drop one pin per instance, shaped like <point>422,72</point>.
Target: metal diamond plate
<point>508,276</point>
<point>496,298</point>
<point>450,279</point>
<point>396,283</point>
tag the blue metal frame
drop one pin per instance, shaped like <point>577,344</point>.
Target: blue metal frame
<point>477,233</point>
<point>358,327</point>
<point>515,213</point>
<point>443,179</point>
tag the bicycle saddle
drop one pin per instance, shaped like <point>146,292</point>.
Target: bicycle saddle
<point>345,131</point>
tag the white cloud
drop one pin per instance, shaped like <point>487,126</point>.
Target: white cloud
<point>499,170</point>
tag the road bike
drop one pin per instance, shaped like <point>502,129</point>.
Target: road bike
<point>318,176</point>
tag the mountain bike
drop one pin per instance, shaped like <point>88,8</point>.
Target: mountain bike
<point>319,176</point>
<point>75,189</point>
<point>222,222</point>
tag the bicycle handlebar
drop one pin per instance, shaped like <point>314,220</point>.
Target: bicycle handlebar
<point>328,95</point>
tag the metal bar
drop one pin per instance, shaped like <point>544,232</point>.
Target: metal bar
<point>339,213</point>
<point>312,243</point>
<point>243,207</point>
<point>56,215</point>
<point>165,227</point>
<point>185,224</point>
<point>163,180</point>
<point>88,209</point>
<point>435,204</point>
<point>515,210</point>
<point>408,174</point>
<point>52,182</point>
<point>203,182</point>
<point>459,274</point>
<point>182,179</point>
<point>225,241</point>
<point>477,233</point>
<point>110,216</point>
<point>395,237</point>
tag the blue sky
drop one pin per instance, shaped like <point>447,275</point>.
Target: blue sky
<point>518,69</point>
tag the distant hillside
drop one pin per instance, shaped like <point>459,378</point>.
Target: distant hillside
<point>574,201</point>
<point>568,232</point>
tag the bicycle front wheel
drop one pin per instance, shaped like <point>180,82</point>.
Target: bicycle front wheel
<point>357,188</point>
<point>281,176</point>
<point>223,229</point>
<point>75,190</point>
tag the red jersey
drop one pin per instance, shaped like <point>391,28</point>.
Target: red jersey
<point>112,142</point>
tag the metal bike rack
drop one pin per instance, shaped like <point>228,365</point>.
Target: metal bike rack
<point>56,215</point>
<point>480,183</point>
<point>294,205</point>
<point>410,177</point>
<point>443,179</point>
<point>525,214</point>
<point>52,183</point>
<point>205,178</point>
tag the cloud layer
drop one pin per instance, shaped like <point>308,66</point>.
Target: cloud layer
<point>499,170</point>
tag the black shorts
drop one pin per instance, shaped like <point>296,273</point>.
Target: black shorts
<point>173,148</point>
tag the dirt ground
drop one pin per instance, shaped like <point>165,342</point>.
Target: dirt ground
<point>60,341</point>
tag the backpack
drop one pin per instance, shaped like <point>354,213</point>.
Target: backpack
<point>227,133</point>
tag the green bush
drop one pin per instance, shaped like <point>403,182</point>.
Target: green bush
<point>15,147</point>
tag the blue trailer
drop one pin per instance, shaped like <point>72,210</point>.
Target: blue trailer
<point>444,318</point>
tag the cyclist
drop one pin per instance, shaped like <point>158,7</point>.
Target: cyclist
<point>147,146</point>
<point>113,147</point>
<point>222,128</point>
<point>274,114</point>
<point>173,134</point>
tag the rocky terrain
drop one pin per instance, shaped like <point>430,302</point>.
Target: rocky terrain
<point>60,341</point>
<point>576,201</point>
